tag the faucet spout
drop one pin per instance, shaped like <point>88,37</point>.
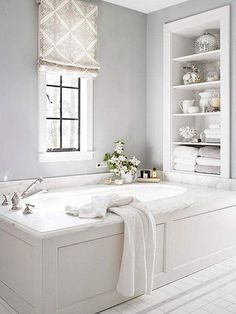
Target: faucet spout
<point>27,193</point>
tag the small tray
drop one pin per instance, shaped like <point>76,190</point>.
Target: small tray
<point>149,180</point>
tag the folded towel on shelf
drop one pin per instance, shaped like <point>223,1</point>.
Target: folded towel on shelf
<point>212,140</point>
<point>186,152</point>
<point>208,169</point>
<point>214,136</point>
<point>213,133</point>
<point>204,161</point>
<point>182,167</point>
<point>214,126</point>
<point>210,152</point>
<point>138,258</point>
<point>185,161</point>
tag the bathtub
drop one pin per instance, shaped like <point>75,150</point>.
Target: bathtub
<point>54,263</point>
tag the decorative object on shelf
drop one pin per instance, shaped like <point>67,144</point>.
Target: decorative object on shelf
<point>185,104</point>
<point>123,168</point>
<point>187,133</point>
<point>205,42</point>
<point>212,72</point>
<point>145,173</point>
<point>154,173</point>
<point>193,109</point>
<point>215,101</point>
<point>193,75</point>
<point>205,101</point>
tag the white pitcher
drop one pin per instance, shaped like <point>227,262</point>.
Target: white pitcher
<point>185,104</point>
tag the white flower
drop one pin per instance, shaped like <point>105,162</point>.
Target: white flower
<point>119,147</point>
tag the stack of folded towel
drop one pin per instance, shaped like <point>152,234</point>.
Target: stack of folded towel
<point>185,158</point>
<point>213,134</point>
<point>209,160</point>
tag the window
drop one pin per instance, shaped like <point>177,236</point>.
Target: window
<point>63,113</point>
<point>65,117</point>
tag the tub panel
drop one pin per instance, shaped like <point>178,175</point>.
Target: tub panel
<point>160,238</point>
<point>88,269</point>
<point>202,235</point>
<point>16,265</point>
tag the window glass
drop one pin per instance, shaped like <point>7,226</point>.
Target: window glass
<point>62,109</point>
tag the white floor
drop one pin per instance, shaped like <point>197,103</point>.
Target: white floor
<point>212,290</point>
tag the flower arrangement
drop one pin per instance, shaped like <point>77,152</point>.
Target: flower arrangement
<point>187,132</point>
<point>118,163</point>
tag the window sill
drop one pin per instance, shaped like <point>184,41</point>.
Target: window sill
<point>65,156</point>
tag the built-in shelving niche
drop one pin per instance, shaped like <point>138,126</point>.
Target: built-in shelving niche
<point>178,50</point>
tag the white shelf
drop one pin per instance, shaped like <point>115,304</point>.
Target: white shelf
<point>199,86</point>
<point>196,144</point>
<point>206,56</point>
<point>178,51</point>
<point>197,114</point>
<point>196,173</point>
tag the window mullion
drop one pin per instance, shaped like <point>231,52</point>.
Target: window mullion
<point>60,111</point>
<point>79,113</point>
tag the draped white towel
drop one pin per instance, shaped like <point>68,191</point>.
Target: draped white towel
<point>138,258</point>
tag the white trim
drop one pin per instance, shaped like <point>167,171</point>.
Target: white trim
<point>86,127</point>
<point>65,156</point>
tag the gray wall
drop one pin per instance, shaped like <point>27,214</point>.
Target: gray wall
<point>119,91</point>
<point>155,22</point>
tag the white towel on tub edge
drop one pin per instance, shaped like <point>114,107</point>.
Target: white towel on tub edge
<point>139,250</point>
<point>138,259</point>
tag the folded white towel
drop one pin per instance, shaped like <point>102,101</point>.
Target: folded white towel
<point>98,206</point>
<point>138,259</point>
<point>184,167</point>
<point>212,131</point>
<point>218,136</point>
<point>186,151</point>
<point>185,161</point>
<point>204,161</point>
<point>214,126</point>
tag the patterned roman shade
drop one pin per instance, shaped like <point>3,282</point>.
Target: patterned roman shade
<point>68,36</point>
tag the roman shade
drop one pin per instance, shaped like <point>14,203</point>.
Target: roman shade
<point>68,36</point>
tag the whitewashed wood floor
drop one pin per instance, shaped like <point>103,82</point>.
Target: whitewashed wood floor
<point>212,290</point>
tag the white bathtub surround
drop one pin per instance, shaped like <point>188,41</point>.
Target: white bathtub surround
<point>98,206</point>
<point>138,258</point>
<point>69,182</point>
<point>51,240</point>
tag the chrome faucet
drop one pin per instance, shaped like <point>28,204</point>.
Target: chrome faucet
<point>27,193</point>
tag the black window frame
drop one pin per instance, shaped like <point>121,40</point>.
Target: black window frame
<point>61,119</point>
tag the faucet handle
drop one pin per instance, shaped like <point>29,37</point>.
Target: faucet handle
<point>5,201</point>
<point>28,210</point>
<point>15,199</point>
